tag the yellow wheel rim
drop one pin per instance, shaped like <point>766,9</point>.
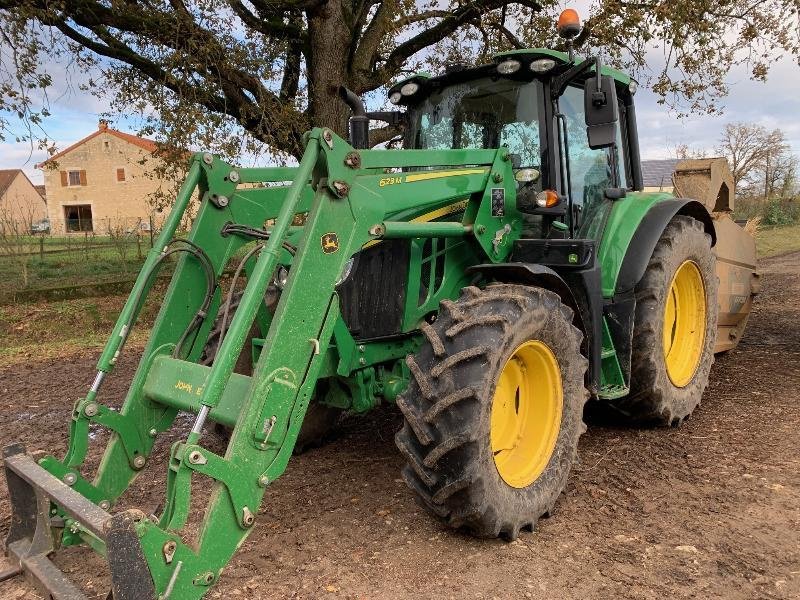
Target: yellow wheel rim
<point>684,324</point>
<point>526,414</point>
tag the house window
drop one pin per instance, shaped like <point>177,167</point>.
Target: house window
<point>73,178</point>
<point>78,217</point>
<point>121,174</point>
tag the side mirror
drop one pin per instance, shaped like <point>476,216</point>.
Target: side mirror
<point>602,113</point>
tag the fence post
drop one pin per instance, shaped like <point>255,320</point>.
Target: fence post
<point>41,247</point>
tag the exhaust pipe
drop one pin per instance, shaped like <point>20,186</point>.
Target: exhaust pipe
<point>359,121</point>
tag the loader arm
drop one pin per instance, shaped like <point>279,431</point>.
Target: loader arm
<point>353,199</point>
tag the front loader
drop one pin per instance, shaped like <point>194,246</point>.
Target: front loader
<point>489,278</point>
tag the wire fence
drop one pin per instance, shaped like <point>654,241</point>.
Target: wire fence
<point>37,254</point>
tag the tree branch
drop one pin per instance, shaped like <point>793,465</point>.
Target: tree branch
<point>447,26</point>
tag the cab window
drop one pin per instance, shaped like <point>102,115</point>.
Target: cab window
<point>590,170</point>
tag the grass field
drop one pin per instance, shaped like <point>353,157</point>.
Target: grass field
<point>777,240</point>
<point>67,262</point>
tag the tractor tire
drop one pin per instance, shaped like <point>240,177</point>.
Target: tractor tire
<point>320,419</point>
<point>673,348</point>
<point>488,449</point>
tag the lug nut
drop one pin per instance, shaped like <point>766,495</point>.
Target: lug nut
<point>233,176</point>
<point>353,160</point>
<point>196,458</point>
<point>208,158</point>
<point>341,188</point>
<point>139,461</point>
<point>104,504</point>
<point>168,549</point>
<point>328,137</point>
<point>91,409</point>
<point>70,478</point>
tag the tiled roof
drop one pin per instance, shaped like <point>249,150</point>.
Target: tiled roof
<point>6,177</point>
<point>658,173</point>
<point>141,142</point>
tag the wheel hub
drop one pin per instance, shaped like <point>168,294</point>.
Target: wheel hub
<point>684,324</point>
<point>526,414</point>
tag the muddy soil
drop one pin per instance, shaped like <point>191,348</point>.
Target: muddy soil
<point>708,510</point>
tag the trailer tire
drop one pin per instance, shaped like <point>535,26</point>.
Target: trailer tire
<point>468,396</point>
<point>673,349</point>
<point>320,419</point>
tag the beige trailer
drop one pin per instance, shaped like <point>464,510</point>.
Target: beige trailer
<point>709,181</point>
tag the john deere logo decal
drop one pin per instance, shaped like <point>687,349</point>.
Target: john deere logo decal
<point>330,243</point>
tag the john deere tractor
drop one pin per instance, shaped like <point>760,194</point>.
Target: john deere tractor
<point>489,278</point>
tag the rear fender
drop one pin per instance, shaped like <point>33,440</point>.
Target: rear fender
<point>648,233</point>
<point>620,279</point>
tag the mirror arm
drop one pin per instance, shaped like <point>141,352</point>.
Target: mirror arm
<point>561,82</point>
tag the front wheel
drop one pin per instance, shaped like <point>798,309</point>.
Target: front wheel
<point>494,409</point>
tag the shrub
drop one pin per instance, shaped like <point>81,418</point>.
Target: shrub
<point>774,212</point>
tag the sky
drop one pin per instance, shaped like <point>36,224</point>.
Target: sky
<point>773,104</point>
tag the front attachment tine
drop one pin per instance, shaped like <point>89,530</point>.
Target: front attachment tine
<point>21,496</point>
<point>130,573</point>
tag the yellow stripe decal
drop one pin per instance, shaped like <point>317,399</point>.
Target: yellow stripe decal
<point>440,212</point>
<point>439,174</point>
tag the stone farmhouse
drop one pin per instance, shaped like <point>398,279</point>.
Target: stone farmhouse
<point>100,184</point>
<point>21,204</point>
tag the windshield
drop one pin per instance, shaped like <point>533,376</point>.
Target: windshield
<point>483,113</point>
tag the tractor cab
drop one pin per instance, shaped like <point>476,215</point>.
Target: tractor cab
<point>570,133</point>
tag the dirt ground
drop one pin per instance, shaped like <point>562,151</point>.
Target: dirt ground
<point>709,510</point>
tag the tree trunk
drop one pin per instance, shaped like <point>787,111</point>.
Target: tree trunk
<point>329,51</point>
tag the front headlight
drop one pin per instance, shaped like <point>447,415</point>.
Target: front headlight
<point>409,89</point>
<point>507,67</point>
<point>527,175</point>
<point>543,65</point>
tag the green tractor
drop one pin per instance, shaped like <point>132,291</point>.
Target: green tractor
<point>489,278</point>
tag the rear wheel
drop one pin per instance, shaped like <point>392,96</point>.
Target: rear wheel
<point>675,326</point>
<point>494,409</point>
<point>320,419</point>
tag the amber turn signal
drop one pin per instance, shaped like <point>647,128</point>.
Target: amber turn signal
<point>547,199</point>
<point>569,24</point>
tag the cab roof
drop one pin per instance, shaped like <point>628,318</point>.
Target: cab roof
<point>466,73</point>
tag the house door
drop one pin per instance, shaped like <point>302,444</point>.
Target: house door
<point>78,217</point>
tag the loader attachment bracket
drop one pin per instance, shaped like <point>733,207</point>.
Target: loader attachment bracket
<point>30,540</point>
